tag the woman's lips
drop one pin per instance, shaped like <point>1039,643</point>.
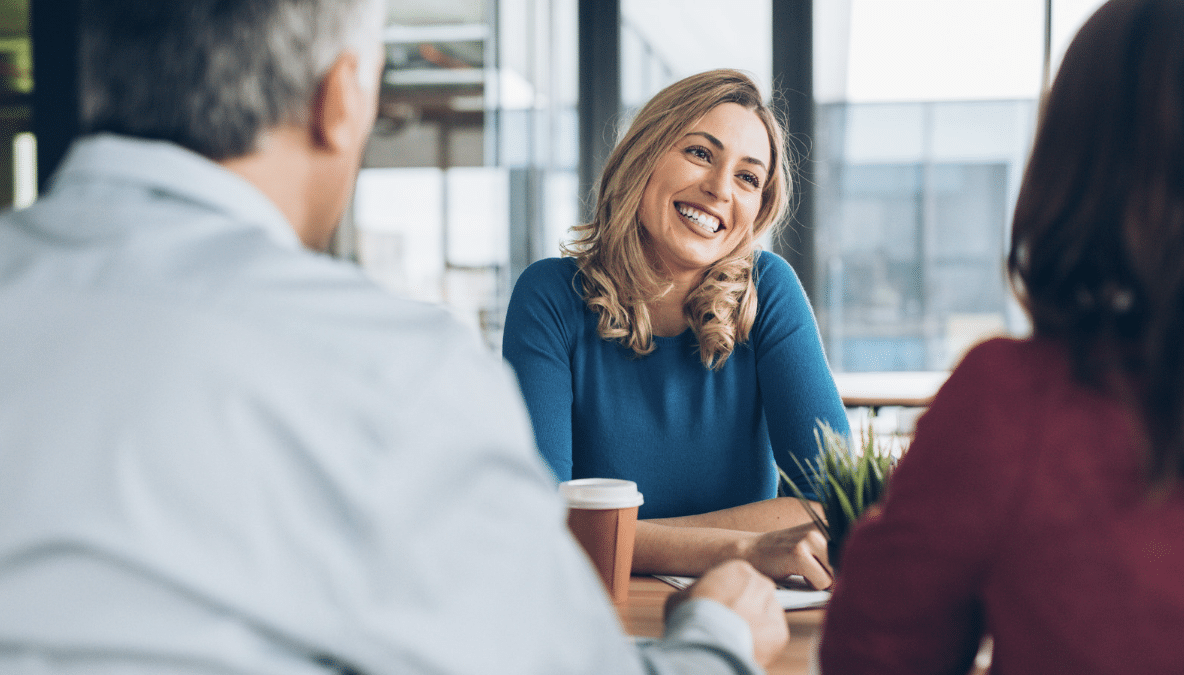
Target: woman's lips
<point>700,218</point>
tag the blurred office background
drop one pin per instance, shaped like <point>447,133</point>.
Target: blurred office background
<point>911,119</point>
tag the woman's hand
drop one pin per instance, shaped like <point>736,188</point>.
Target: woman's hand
<point>776,536</point>
<point>794,550</point>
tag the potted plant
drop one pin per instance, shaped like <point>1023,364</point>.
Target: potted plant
<point>846,483</point>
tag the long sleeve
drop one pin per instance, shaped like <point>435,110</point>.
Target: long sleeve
<point>907,599</point>
<point>1022,511</point>
<point>237,456</point>
<point>537,342</point>
<point>702,637</point>
<point>796,384</point>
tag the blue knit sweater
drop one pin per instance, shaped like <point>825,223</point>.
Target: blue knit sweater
<point>695,440</point>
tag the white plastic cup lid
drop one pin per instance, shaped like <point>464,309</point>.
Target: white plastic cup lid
<point>600,493</point>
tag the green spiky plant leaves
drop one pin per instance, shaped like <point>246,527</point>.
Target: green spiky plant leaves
<point>846,483</point>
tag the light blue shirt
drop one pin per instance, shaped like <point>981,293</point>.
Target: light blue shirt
<point>221,453</point>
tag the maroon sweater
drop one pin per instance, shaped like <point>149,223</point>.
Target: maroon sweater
<point>1018,512</point>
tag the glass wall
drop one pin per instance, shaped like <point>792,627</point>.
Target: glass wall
<point>18,170</point>
<point>913,202</point>
<point>470,172</point>
<point>665,40</point>
<point>926,111</point>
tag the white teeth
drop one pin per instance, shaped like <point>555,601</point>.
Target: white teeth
<point>703,220</point>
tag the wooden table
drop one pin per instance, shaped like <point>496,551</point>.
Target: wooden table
<point>642,616</point>
<point>875,390</point>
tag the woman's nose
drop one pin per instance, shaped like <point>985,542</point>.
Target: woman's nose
<point>717,184</point>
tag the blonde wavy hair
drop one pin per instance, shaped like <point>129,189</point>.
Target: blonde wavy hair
<point>619,279</point>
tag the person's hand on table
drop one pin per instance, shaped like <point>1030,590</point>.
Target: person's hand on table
<point>794,550</point>
<point>738,586</point>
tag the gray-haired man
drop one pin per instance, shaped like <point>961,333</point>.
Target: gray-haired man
<point>221,452</point>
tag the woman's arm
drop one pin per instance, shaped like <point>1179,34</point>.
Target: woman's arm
<point>796,384</point>
<point>777,536</point>
<point>910,600</point>
<point>762,516</point>
<point>536,342</point>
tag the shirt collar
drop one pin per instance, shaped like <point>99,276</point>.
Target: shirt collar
<point>166,167</point>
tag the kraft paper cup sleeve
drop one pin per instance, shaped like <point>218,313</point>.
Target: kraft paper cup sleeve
<point>602,515</point>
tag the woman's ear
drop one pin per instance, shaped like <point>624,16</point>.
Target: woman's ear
<point>340,115</point>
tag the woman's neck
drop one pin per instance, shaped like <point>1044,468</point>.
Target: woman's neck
<point>666,315</point>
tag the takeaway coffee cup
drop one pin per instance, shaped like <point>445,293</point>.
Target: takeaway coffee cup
<point>602,514</point>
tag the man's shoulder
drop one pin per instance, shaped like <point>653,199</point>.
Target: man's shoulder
<point>310,308</point>
<point>337,308</point>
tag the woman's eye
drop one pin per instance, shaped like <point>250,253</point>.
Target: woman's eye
<point>698,152</point>
<point>751,179</point>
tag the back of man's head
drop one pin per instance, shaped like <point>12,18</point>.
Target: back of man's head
<point>212,75</point>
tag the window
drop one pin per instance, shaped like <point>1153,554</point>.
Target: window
<point>470,172</point>
<point>18,168</point>
<point>663,41</point>
<point>926,112</point>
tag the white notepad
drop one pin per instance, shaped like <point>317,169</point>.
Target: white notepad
<point>790,598</point>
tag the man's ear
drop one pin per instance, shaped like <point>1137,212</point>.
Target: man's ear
<point>337,110</point>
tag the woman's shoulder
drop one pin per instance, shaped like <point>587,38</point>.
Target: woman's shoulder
<point>1037,358</point>
<point>551,282</point>
<point>549,270</point>
<point>773,275</point>
<point>549,276</point>
<point>779,293</point>
<point>769,266</point>
<point>1009,373</point>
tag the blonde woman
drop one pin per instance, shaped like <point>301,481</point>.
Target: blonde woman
<point>666,349</point>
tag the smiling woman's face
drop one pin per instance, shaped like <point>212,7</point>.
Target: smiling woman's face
<point>705,192</point>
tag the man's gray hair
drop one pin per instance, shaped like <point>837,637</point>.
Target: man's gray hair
<point>213,75</point>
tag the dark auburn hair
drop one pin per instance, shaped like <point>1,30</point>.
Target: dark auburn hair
<point>1097,250</point>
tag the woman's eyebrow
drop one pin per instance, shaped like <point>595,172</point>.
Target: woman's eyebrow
<point>720,146</point>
